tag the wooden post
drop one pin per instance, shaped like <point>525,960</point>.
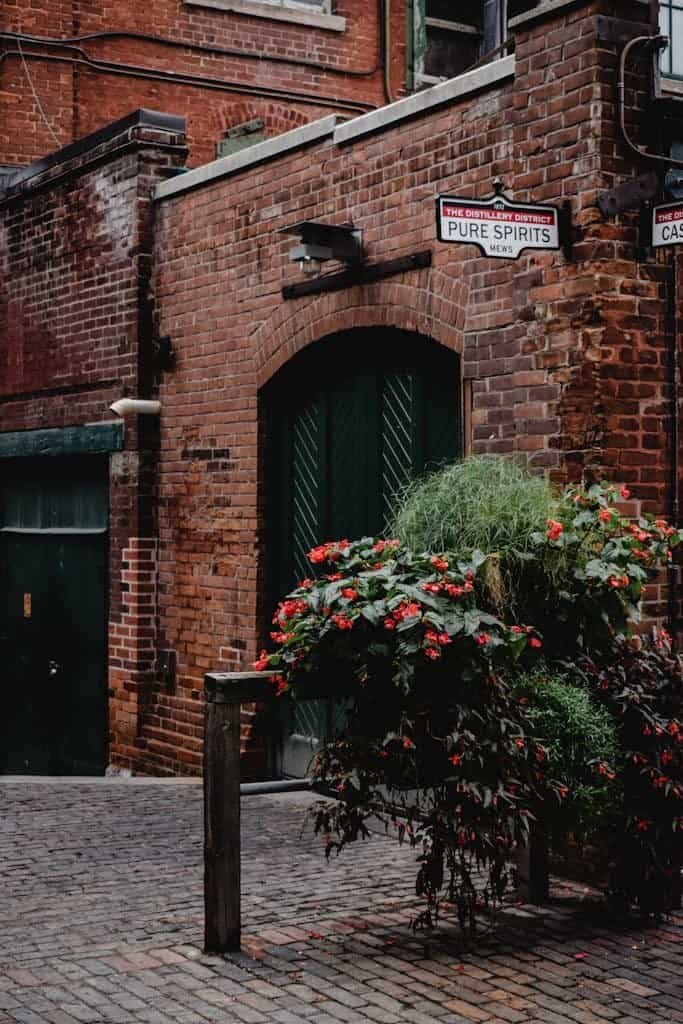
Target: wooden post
<point>532,870</point>
<point>222,892</point>
<point>225,693</point>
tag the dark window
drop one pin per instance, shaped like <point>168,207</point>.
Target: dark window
<point>240,136</point>
<point>450,36</point>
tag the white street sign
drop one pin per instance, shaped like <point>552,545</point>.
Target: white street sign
<point>499,227</point>
<point>667,224</point>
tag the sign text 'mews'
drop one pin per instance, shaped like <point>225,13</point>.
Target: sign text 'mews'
<point>497,226</point>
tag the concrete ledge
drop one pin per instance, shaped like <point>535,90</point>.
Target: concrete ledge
<point>548,7</point>
<point>295,14</point>
<point>439,95</point>
<point>249,157</point>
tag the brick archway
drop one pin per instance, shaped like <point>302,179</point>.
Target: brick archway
<point>428,302</point>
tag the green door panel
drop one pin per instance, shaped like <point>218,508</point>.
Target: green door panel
<point>53,554</point>
<point>350,423</point>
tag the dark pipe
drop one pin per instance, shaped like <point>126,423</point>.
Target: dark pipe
<point>221,85</point>
<point>216,51</point>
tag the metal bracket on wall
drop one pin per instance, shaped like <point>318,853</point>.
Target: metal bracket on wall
<point>365,273</point>
<point>629,195</point>
<point>617,31</point>
<point>645,252</point>
<point>566,229</point>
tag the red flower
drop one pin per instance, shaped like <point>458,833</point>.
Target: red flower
<point>535,642</point>
<point>563,791</point>
<point>519,743</point>
<point>444,639</point>
<point>306,584</point>
<point>455,759</point>
<point>349,593</point>
<point>334,576</point>
<point>389,623</point>
<point>281,638</point>
<point>454,591</point>
<point>432,588</point>
<point>625,493</point>
<point>439,563</point>
<point>261,662</point>
<point>281,684</point>
<point>289,609</point>
<point>604,770</point>
<point>643,825</point>
<point>667,757</point>
<point>482,639</point>
<point>617,582</point>
<point>407,611</point>
<point>408,743</point>
<point>555,529</point>
<point>318,555</point>
<point>341,622</point>
<point>605,515</point>
<point>516,629</point>
<point>432,652</point>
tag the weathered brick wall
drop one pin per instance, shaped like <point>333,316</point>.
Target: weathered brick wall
<point>75,335</point>
<point>551,347</point>
<point>302,72</point>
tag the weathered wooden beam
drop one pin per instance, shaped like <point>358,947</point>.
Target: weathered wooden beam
<point>222,847</point>
<point>364,273</point>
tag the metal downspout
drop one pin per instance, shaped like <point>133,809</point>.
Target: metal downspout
<point>674,384</point>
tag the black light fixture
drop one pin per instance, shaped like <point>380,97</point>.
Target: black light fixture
<point>320,242</point>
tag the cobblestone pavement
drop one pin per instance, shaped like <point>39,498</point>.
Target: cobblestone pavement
<point>101,921</point>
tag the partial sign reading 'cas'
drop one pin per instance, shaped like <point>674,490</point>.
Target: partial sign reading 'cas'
<point>667,224</point>
<point>500,228</point>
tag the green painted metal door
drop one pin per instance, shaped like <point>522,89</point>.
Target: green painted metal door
<point>350,422</point>
<point>53,552</point>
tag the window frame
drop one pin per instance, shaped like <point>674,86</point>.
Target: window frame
<point>666,9</point>
<point>419,22</point>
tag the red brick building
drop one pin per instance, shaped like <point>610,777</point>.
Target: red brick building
<point>291,406</point>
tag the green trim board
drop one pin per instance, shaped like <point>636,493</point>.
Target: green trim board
<point>89,439</point>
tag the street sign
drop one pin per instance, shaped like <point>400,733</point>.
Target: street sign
<point>498,227</point>
<point>667,224</point>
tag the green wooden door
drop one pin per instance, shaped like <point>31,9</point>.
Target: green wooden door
<point>349,423</point>
<point>53,551</point>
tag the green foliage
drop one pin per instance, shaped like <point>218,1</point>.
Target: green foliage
<point>577,733</point>
<point>427,647</point>
<point>642,688</point>
<point>486,502</point>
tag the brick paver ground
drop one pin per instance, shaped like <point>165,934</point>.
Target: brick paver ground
<point>101,921</point>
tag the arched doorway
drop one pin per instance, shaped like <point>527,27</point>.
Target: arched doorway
<point>349,422</point>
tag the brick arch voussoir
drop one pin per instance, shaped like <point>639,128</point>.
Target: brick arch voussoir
<point>436,311</point>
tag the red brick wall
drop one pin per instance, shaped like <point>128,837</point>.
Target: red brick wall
<point>75,335</point>
<point>337,71</point>
<point>552,348</point>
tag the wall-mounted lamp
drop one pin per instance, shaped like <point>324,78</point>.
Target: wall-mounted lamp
<point>319,242</point>
<point>135,407</point>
